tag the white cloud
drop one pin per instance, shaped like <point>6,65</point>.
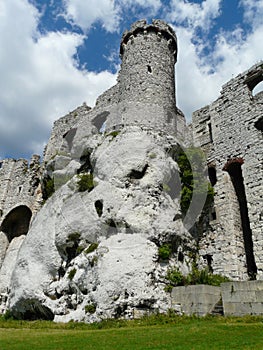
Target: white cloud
<point>150,4</point>
<point>200,77</point>
<point>107,12</point>
<point>39,79</point>
<point>253,12</point>
<point>196,86</point>
<point>193,15</point>
<point>85,13</point>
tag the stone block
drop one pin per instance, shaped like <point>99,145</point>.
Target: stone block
<point>198,299</point>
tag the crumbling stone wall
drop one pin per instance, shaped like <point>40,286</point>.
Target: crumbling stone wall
<point>20,200</point>
<point>61,127</point>
<point>230,132</point>
<point>19,184</point>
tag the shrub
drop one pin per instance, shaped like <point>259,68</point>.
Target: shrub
<point>192,164</point>
<point>48,187</point>
<point>90,308</point>
<point>165,251</point>
<point>80,249</point>
<point>74,237</point>
<point>71,274</point>
<point>91,248</point>
<point>7,316</point>
<point>113,134</point>
<point>85,182</point>
<point>176,278</point>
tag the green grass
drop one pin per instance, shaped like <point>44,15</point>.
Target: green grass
<point>157,332</point>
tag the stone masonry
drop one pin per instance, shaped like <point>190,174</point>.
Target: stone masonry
<point>230,132</point>
<point>125,145</point>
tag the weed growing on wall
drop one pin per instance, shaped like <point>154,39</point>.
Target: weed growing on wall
<point>191,163</point>
<point>175,278</point>
<point>85,182</point>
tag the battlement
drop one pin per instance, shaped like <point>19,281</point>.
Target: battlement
<point>161,28</point>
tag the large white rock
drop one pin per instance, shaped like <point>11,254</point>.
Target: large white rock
<point>128,214</point>
<point>3,247</point>
<point>9,263</point>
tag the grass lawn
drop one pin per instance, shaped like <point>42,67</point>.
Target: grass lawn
<point>159,332</point>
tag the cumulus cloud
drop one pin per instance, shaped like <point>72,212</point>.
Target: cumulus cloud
<point>41,78</point>
<point>194,15</point>
<point>85,13</point>
<point>199,75</point>
<point>253,12</point>
<point>39,81</point>
<point>108,13</point>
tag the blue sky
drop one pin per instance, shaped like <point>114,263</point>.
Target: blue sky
<point>56,54</point>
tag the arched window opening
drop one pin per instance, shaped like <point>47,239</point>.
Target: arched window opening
<point>212,175</point>
<point>233,167</point>
<point>69,136</point>
<point>259,124</point>
<point>100,121</point>
<point>255,83</point>
<point>258,88</point>
<point>16,222</point>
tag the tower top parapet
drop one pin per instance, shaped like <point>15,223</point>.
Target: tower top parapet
<point>158,26</point>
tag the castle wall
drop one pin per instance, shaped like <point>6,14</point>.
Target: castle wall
<point>60,128</point>
<point>19,184</point>
<point>20,200</point>
<point>227,133</point>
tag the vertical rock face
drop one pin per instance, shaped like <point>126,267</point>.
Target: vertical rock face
<point>230,131</point>
<point>92,250</point>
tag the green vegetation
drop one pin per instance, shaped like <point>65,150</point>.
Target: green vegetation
<point>192,164</point>
<point>176,278</point>
<point>113,134</point>
<point>48,187</point>
<point>166,188</point>
<point>80,249</point>
<point>91,248</point>
<point>152,155</point>
<point>72,273</point>
<point>94,261</point>
<point>165,251</point>
<point>85,182</point>
<point>157,332</point>
<point>90,308</point>
<point>74,237</point>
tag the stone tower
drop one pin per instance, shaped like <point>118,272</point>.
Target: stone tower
<point>146,81</point>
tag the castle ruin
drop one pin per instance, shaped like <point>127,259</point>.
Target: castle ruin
<point>73,254</point>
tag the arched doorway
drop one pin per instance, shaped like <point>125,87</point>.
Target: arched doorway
<point>234,169</point>
<point>16,223</point>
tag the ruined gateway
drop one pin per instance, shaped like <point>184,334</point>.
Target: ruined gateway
<point>90,253</point>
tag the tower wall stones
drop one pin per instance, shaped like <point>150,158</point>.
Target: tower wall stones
<point>146,82</point>
<point>229,132</point>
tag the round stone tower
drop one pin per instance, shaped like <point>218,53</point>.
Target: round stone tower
<point>146,80</point>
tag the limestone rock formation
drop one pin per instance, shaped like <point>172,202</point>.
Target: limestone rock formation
<point>92,250</point>
<point>99,247</point>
